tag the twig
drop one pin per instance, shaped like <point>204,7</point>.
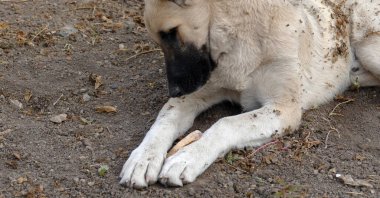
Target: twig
<point>345,102</point>
<point>332,129</point>
<point>35,36</point>
<point>355,193</point>
<point>108,129</point>
<point>261,148</point>
<point>57,100</point>
<point>239,169</point>
<point>141,53</point>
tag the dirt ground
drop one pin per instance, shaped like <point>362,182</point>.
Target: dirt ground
<point>49,49</point>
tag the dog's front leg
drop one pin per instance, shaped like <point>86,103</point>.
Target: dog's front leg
<point>175,118</point>
<point>249,129</point>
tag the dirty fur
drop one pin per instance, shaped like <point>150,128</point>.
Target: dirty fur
<point>277,58</point>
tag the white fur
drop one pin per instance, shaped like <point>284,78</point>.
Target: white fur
<point>276,58</point>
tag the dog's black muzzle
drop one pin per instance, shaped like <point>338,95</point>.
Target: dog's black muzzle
<point>188,68</point>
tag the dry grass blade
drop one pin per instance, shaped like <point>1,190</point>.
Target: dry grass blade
<point>57,100</point>
<point>332,113</point>
<point>261,148</point>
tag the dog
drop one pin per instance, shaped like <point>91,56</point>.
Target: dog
<point>276,58</point>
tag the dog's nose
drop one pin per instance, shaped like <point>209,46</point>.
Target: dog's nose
<point>175,91</point>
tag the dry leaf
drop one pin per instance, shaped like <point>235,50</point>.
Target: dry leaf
<point>192,137</point>
<point>359,157</point>
<point>3,26</point>
<point>59,118</point>
<point>17,155</point>
<point>21,180</point>
<point>28,95</point>
<point>97,80</point>
<point>348,180</point>
<point>106,109</point>
<point>84,120</point>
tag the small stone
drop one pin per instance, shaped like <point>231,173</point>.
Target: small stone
<point>76,180</point>
<point>82,180</point>
<point>191,191</point>
<point>59,118</point>
<point>86,142</point>
<point>83,90</point>
<point>91,183</point>
<point>121,46</point>
<point>86,97</point>
<point>160,71</point>
<point>16,103</point>
<point>130,25</point>
<point>2,98</point>
<point>67,31</point>
<point>113,86</point>
<point>316,172</point>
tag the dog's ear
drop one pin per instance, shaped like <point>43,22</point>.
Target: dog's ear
<point>182,3</point>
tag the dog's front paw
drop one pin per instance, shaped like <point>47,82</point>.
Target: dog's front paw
<point>142,167</point>
<point>183,167</point>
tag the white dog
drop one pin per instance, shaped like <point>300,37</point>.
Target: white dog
<point>277,58</point>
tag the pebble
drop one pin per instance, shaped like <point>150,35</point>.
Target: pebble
<point>67,31</point>
<point>113,86</point>
<point>83,90</point>
<point>16,103</point>
<point>191,191</point>
<point>121,46</point>
<point>130,25</point>
<point>86,97</point>
<point>91,183</point>
<point>86,142</point>
<point>59,118</point>
<point>76,180</point>
<point>2,98</point>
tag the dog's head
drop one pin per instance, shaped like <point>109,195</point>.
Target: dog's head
<point>181,28</point>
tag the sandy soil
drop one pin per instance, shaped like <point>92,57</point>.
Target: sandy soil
<point>48,50</point>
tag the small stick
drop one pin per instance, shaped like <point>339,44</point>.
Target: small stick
<point>261,148</point>
<point>108,129</point>
<point>35,36</point>
<point>239,169</point>
<point>141,53</point>
<point>57,100</point>
<point>192,137</point>
<point>345,102</point>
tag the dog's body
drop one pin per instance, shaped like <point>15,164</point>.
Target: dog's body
<point>276,58</point>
